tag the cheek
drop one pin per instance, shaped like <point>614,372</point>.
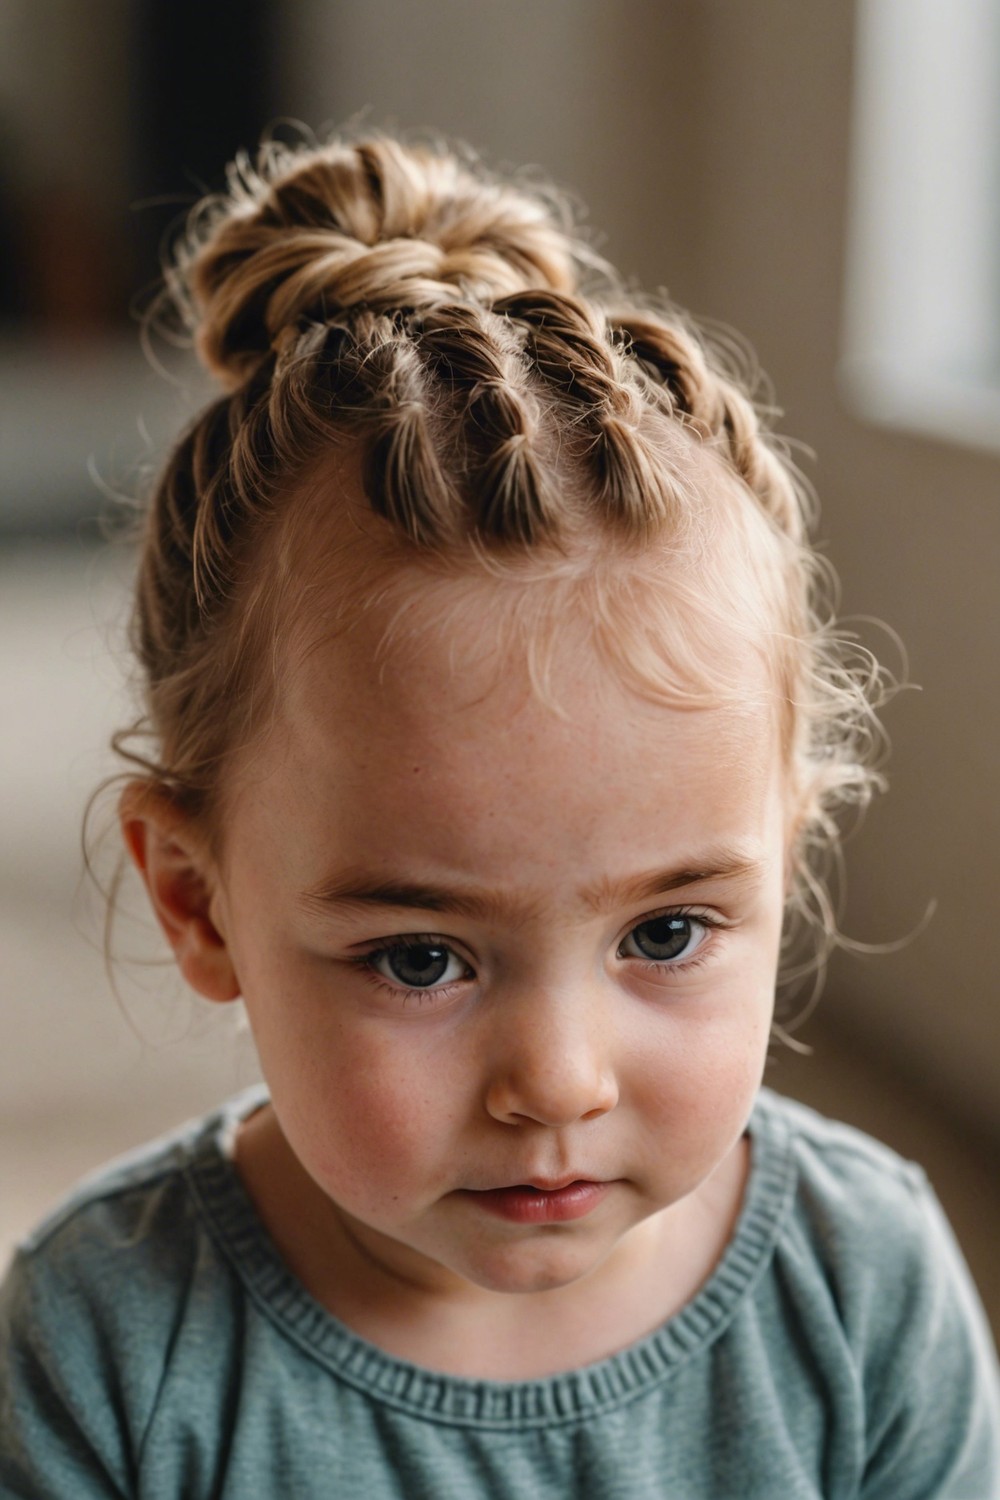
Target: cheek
<point>698,1075</point>
<point>369,1114</point>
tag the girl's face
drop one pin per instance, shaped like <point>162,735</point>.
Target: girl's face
<point>482,945</point>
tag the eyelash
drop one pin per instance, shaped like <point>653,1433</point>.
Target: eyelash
<point>416,996</point>
<point>701,954</point>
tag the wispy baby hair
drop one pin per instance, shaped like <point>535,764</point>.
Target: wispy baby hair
<point>510,404</point>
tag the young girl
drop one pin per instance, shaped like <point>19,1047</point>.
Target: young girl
<point>493,727</point>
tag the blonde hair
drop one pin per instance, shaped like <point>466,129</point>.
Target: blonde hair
<point>509,400</point>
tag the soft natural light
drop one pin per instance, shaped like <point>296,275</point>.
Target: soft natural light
<point>922,305</point>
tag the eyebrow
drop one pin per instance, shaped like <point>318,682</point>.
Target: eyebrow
<point>355,888</point>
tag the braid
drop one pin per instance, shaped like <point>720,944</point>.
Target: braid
<point>475,355</point>
<point>718,411</point>
<point>576,353</point>
<point>569,348</point>
<point>405,479</point>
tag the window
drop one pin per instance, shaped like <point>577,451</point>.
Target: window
<point>922,305</point>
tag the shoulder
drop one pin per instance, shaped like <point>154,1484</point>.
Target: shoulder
<point>847,1184</point>
<point>121,1207</point>
<point>870,1270</point>
<point>863,1220</point>
<point>92,1303</point>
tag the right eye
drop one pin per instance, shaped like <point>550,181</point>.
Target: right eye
<point>420,964</point>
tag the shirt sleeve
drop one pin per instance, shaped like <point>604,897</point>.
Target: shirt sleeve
<point>59,1435</point>
<point>934,1410</point>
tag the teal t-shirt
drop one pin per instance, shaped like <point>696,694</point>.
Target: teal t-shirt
<point>153,1344</point>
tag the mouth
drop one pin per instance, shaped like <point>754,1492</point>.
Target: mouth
<point>547,1185</point>
<point>541,1202</point>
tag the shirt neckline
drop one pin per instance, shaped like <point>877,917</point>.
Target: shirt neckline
<point>569,1396</point>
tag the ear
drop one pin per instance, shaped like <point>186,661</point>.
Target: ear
<point>182,883</point>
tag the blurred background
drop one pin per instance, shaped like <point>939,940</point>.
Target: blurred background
<point>823,178</point>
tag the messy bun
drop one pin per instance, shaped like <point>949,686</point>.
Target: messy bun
<point>304,238</point>
<point>506,399</point>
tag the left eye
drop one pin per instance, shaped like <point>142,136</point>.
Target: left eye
<point>417,965</point>
<point>664,938</point>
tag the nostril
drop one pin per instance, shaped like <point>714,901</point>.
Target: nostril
<point>550,1100</point>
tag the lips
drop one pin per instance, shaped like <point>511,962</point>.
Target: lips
<point>541,1201</point>
<point>539,1183</point>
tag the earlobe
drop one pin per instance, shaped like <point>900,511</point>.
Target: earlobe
<point>181,881</point>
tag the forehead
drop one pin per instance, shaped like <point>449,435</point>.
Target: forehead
<point>441,769</point>
<point>471,674</point>
<point>440,684</point>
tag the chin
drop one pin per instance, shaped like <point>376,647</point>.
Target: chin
<point>525,1269</point>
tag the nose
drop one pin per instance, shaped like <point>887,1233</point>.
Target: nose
<point>553,1062</point>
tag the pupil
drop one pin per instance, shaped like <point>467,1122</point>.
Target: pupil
<point>418,964</point>
<point>664,937</point>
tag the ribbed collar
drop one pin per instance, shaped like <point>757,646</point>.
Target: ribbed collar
<point>587,1392</point>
